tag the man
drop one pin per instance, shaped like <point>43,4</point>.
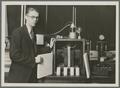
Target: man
<point>23,51</point>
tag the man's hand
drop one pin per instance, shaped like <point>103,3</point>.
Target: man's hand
<point>39,60</point>
<point>52,42</point>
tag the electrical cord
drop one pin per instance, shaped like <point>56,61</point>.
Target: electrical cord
<point>61,29</point>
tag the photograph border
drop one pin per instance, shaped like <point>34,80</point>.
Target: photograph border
<point>4,3</point>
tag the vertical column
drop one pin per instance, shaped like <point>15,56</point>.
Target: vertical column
<point>69,52</point>
<point>22,13</point>
<point>75,16</point>
<point>6,23</point>
<point>73,19</point>
<point>54,57</point>
<point>82,66</point>
<point>46,16</point>
<point>7,42</point>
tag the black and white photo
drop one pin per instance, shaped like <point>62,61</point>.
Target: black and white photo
<point>60,43</point>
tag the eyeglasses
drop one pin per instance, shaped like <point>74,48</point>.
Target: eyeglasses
<point>33,17</point>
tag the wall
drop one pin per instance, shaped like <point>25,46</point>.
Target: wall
<point>94,20</point>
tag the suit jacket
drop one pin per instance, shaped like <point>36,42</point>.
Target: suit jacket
<point>22,54</point>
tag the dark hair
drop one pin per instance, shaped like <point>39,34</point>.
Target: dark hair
<point>31,9</point>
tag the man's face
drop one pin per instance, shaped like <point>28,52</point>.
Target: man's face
<point>32,18</point>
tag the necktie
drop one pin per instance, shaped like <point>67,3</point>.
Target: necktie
<point>34,44</point>
<point>32,35</point>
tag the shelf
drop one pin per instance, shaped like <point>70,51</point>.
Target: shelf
<point>68,39</point>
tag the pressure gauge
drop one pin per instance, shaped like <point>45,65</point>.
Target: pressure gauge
<point>101,37</point>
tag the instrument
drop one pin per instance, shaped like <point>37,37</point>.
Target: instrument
<point>68,71</point>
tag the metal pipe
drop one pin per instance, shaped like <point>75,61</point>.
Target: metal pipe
<point>21,15</point>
